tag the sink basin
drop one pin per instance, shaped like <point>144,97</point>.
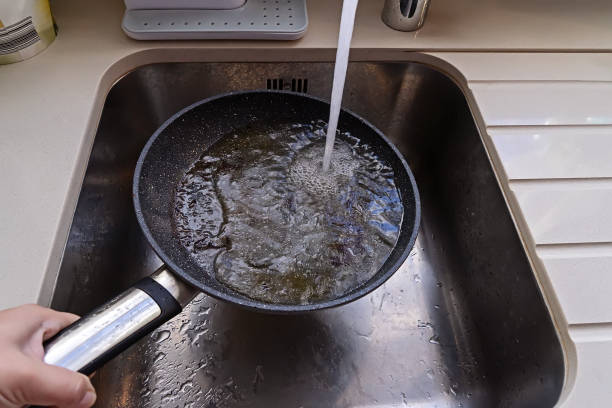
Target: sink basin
<point>462,323</point>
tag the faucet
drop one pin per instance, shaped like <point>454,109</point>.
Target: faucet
<point>405,15</point>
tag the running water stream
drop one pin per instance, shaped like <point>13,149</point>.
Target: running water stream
<point>347,21</point>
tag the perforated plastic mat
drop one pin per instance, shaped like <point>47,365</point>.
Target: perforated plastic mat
<point>256,20</point>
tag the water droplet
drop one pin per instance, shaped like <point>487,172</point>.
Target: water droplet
<point>258,378</point>
<point>439,284</point>
<point>184,327</point>
<point>159,357</point>
<point>430,373</point>
<point>434,339</point>
<point>162,336</point>
<point>436,306</point>
<point>185,386</point>
<point>196,338</point>
<point>167,396</point>
<point>424,325</point>
<point>204,311</point>
<point>416,278</point>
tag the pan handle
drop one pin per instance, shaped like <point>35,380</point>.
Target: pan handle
<point>94,339</point>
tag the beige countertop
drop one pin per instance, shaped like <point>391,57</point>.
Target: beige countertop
<point>539,78</point>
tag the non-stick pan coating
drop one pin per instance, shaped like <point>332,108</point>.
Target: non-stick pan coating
<point>183,138</point>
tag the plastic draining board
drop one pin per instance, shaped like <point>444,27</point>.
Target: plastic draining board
<point>256,20</point>
<point>183,4</point>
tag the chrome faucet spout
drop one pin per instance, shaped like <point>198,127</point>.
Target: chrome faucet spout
<point>405,15</point>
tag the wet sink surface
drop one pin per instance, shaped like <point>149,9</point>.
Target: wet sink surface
<point>462,323</point>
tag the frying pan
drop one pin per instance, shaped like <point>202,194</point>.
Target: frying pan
<point>99,336</point>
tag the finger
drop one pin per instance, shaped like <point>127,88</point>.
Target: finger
<point>43,384</point>
<point>31,318</point>
<point>37,324</point>
<point>55,322</point>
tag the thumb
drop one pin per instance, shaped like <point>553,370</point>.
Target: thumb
<point>44,384</point>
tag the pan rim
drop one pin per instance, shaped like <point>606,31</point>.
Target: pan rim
<point>252,304</point>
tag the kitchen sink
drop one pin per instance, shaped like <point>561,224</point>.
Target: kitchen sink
<point>461,323</point>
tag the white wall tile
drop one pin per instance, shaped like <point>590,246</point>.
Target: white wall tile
<point>581,276</point>
<point>566,212</point>
<point>541,152</point>
<point>544,103</point>
<point>594,350</point>
<point>531,67</point>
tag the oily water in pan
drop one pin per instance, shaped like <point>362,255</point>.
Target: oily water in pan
<point>278,228</point>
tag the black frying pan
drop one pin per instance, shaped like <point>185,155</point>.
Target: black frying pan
<point>169,153</point>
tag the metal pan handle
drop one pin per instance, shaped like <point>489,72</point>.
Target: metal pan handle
<point>91,341</point>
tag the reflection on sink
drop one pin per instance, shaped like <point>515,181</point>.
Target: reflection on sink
<point>462,323</point>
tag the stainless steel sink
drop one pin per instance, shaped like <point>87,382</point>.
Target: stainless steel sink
<point>462,323</point>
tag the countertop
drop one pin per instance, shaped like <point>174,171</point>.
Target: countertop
<point>538,78</point>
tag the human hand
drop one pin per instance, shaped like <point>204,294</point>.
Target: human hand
<point>24,378</point>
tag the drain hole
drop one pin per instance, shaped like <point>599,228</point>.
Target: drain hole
<point>295,85</point>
